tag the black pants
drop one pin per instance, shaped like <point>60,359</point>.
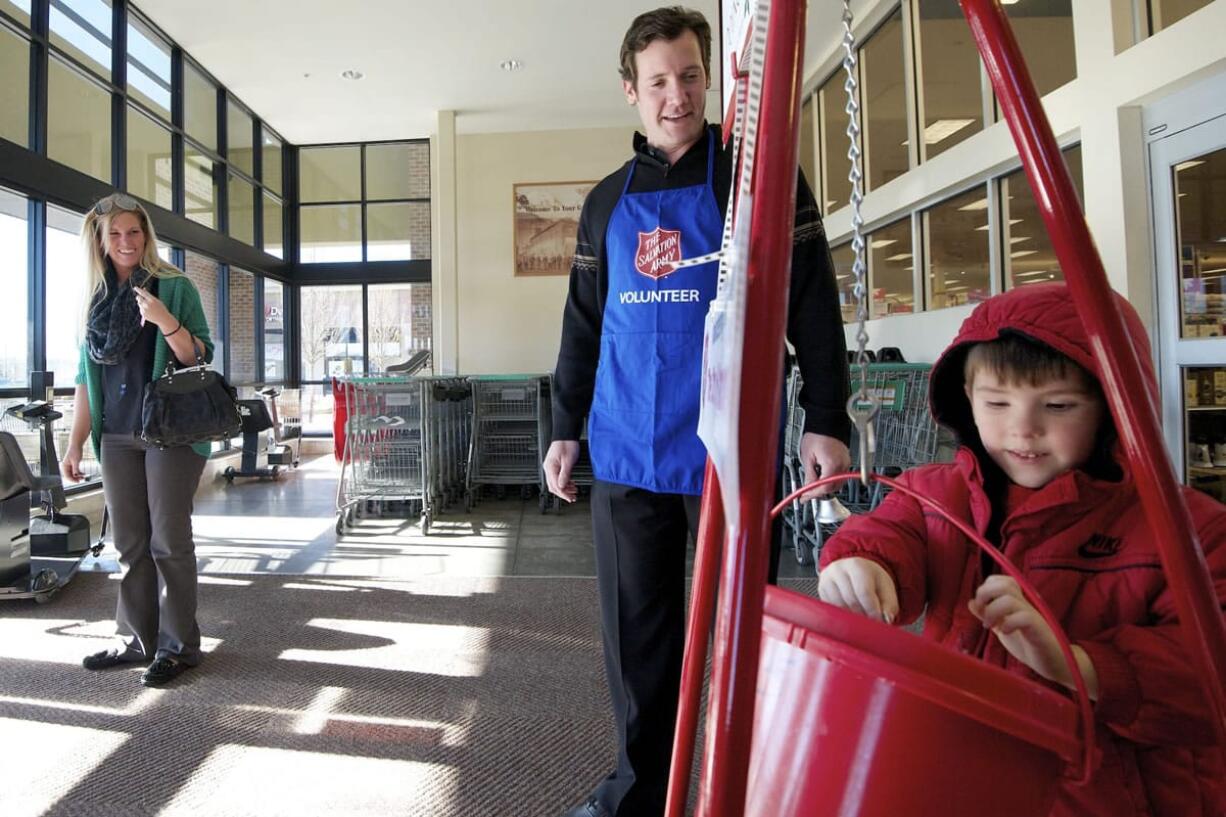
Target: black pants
<point>640,539</point>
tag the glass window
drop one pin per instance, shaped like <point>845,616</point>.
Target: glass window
<point>885,105</point>
<point>400,171</point>
<point>242,326</point>
<point>82,28</point>
<point>808,144</point>
<point>396,232</point>
<point>199,187</point>
<point>331,233</point>
<point>242,210</point>
<point>844,273</point>
<point>399,316</point>
<point>832,101</point>
<point>952,97</point>
<point>272,161</point>
<point>331,332</point>
<point>68,278</point>
<point>330,174</point>
<point>1201,241</point>
<point>958,263</point>
<point>149,160</point>
<point>1164,13</point>
<point>204,272</point>
<point>1044,33</point>
<point>78,121</point>
<point>239,138</point>
<point>15,90</point>
<point>148,67</point>
<point>14,307</point>
<point>274,331</point>
<point>273,229</point>
<point>1030,257</point>
<point>17,9</point>
<point>200,107</point>
<point>891,269</point>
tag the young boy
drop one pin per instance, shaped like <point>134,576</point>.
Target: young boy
<point>1040,476</point>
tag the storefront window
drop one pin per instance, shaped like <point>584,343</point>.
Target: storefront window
<point>892,270</point>
<point>958,260</point>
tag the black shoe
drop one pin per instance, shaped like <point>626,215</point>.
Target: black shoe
<point>162,671</point>
<point>104,660</point>
<point>589,808</point>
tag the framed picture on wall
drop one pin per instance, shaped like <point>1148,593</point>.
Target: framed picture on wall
<point>546,223</point>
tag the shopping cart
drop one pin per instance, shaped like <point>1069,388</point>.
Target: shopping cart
<point>448,402</point>
<point>906,436</point>
<point>384,454</point>
<point>505,447</point>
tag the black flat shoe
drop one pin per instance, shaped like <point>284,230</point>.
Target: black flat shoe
<point>162,671</point>
<point>590,808</point>
<point>104,660</point>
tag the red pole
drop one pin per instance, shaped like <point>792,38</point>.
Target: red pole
<point>1127,392</point>
<point>702,602</point>
<point>742,587</point>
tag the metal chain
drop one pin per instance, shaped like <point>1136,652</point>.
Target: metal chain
<point>862,406</point>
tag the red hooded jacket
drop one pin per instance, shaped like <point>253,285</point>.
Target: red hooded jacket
<point>1084,544</point>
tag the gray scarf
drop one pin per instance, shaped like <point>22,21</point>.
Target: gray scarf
<point>114,319</point>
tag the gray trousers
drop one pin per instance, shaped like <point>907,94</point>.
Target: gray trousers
<point>149,495</point>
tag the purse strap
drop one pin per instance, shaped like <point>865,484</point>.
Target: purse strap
<point>200,366</point>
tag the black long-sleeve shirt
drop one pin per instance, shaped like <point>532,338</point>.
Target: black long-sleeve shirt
<point>814,326</point>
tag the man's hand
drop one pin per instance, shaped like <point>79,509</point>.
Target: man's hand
<point>861,586</point>
<point>559,462</point>
<point>1002,608</point>
<point>822,455</point>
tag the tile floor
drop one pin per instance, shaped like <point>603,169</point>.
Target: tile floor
<point>289,527</point>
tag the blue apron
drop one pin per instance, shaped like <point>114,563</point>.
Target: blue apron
<point>643,425</point>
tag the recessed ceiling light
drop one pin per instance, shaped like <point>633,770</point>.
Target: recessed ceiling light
<point>511,65</point>
<point>351,74</point>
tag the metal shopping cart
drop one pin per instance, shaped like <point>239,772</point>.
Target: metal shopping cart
<point>384,457</point>
<point>448,404</point>
<point>505,447</point>
<point>906,436</point>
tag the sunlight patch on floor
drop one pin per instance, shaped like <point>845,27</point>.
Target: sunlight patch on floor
<point>43,761</point>
<point>451,650</point>
<point>286,783</point>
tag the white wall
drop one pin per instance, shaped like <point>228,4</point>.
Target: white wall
<point>508,325</point>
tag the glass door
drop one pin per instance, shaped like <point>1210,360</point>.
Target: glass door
<point>1188,177</point>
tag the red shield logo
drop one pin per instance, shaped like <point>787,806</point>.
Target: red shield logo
<point>657,252</point>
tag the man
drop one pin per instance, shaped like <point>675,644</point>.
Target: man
<point>630,361</point>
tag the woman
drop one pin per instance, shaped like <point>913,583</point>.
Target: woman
<point>142,314</point>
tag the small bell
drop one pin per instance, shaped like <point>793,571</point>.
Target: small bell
<point>830,511</point>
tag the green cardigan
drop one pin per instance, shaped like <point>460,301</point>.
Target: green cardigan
<point>181,298</point>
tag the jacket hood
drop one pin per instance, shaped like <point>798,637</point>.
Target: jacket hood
<point>1040,312</point>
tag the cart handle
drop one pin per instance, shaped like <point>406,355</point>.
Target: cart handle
<point>1083,695</point>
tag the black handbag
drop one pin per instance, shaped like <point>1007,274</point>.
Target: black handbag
<point>192,405</point>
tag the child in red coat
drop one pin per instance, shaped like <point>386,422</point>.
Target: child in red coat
<point>1040,477</point>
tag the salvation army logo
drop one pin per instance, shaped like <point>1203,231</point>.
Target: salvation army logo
<point>657,251</point>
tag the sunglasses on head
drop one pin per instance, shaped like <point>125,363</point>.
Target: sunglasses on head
<point>115,200</point>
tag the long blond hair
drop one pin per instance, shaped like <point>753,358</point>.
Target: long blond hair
<point>94,236</point>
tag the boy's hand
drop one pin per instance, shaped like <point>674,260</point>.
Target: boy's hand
<point>1002,608</point>
<point>861,586</point>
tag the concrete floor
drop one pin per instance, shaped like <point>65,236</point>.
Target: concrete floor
<point>288,527</point>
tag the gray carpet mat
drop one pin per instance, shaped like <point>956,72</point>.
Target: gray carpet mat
<point>437,697</point>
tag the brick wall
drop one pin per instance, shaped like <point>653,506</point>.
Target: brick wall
<point>204,271</point>
<point>242,326</point>
<point>419,170</point>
